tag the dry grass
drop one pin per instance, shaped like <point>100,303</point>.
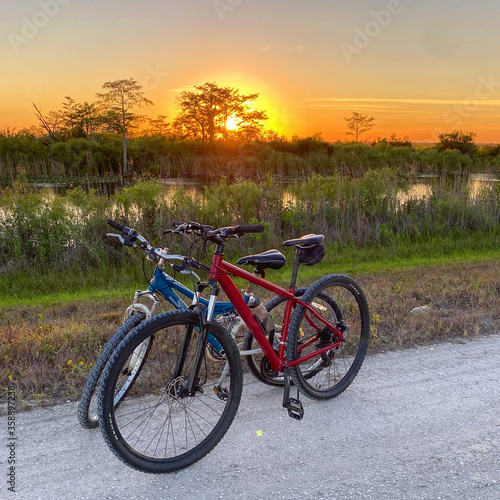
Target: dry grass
<point>47,353</point>
<point>462,302</point>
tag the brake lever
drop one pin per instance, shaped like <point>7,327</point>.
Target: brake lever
<point>182,267</point>
<point>192,273</point>
<point>129,241</point>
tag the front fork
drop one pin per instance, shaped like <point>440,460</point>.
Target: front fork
<point>205,316</point>
<point>138,307</point>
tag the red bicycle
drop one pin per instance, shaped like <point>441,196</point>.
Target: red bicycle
<point>183,400</point>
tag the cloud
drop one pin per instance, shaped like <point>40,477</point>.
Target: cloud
<point>386,103</point>
<point>283,47</point>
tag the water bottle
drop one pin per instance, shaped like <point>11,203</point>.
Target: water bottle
<point>260,312</point>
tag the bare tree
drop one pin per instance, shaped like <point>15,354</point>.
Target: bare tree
<point>120,98</point>
<point>49,123</point>
<point>358,124</point>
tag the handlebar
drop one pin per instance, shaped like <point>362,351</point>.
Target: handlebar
<point>189,227</point>
<point>124,229</point>
<point>255,228</point>
<point>223,233</point>
<point>135,240</point>
<point>215,235</point>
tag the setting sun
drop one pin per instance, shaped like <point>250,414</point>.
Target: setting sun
<point>232,123</point>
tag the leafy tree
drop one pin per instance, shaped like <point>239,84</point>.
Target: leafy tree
<point>358,124</point>
<point>158,125</point>
<point>462,141</point>
<point>393,141</point>
<point>80,119</point>
<point>204,114</point>
<point>120,98</point>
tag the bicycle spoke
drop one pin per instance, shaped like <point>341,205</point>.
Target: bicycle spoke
<point>161,426</point>
<point>330,356</point>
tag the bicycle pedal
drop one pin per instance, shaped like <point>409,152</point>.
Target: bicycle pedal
<point>295,409</point>
<point>221,392</point>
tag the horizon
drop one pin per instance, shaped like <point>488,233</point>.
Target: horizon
<point>419,68</point>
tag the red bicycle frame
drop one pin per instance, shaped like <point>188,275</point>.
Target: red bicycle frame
<point>221,272</point>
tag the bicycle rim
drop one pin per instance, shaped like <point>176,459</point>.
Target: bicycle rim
<point>327,375</point>
<point>158,427</point>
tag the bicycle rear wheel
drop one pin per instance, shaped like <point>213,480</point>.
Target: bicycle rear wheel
<point>326,375</point>
<point>158,427</point>
<point>257,362</point>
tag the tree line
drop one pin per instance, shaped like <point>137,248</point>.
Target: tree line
<point>217,129</point>
<point>208,113</point>
<point>203,114</point>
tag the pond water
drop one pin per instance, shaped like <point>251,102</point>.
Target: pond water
<point>420,187</point>
<point>423,185</point>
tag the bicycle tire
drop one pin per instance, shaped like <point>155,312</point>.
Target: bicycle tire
<point>328,375</point>
<point>258,363</point>
<point>87,406</point>
<point>163,434</point>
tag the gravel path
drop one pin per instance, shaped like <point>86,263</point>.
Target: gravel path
<point>418,424</point>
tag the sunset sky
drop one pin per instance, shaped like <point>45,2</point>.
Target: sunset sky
<point>418,66</point>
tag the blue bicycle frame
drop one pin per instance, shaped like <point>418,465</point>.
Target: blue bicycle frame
<point>167,286</point>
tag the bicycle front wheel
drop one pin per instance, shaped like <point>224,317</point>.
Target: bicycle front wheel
<point>160,426</point>
<point>326,375</point>
<point>87,406</point>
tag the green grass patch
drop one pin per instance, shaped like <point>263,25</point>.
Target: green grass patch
<point>54,287</point>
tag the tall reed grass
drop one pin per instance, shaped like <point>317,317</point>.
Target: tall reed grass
<point>41,232</point>
<point>38,157</point>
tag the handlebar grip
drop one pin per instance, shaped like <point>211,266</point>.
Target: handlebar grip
<point>255,228</point>
<point>124,229</point>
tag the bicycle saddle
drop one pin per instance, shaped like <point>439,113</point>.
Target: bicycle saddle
<point>307,239</point>
<point>270,259</point>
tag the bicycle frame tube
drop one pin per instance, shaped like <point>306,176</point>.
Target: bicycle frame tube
<point>166,286</point>
<point>221,270</point>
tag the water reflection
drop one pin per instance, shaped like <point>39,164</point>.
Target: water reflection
<point>417,191</point>
<point>421,188</point>
<point>424,186</point>
<point>478,182</point>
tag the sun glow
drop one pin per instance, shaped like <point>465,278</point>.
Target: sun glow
<point>232,123</point>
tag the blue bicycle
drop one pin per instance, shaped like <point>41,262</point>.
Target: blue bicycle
<point>163,285</point>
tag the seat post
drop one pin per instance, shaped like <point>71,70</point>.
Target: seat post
<point>295,270</point>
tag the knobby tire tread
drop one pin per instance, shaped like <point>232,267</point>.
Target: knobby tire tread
<point>95,374</point>
<point>297,377</point>
<point>148,328</point>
